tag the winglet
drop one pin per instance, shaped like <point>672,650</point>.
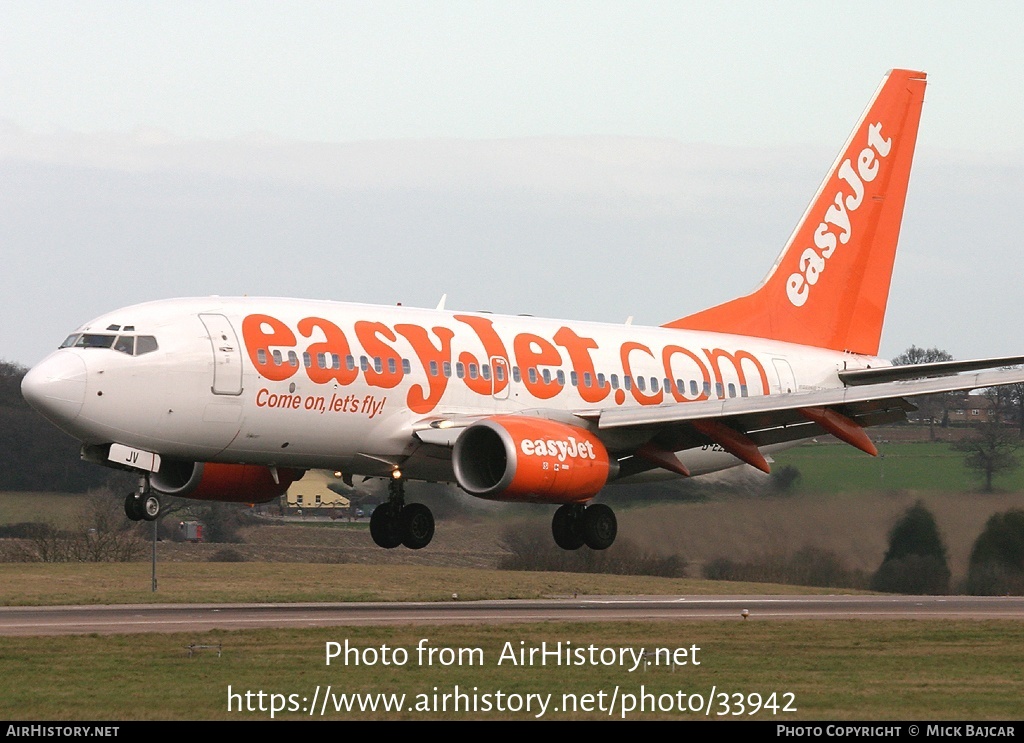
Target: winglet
<point>830,285</point>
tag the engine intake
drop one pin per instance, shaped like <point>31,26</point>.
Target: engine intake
<point>511,457</point>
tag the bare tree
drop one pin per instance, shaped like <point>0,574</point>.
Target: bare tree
<point>931,406</point>
<point>100,535</point>
<point>915,355</point>
<point>991,450</point>
<point>1011,405</point>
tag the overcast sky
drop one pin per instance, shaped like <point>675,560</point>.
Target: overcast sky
<point>581,160</point>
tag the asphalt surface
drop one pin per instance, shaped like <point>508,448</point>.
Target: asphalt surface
<point>124,619</point>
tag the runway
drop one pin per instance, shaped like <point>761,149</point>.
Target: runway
<point>138,618</point>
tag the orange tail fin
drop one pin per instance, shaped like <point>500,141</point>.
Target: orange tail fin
<point>830,285</point>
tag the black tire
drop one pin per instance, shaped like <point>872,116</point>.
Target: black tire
<point>417,526</point>
<point>599,526</point>
<point>385,527</point>
<point>565,527</point>
<point>149,507</point>
<point>133,507</point>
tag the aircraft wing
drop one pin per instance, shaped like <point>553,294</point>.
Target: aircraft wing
<point>776,406</point>
<point>920,371</point>
<point>743,424</point>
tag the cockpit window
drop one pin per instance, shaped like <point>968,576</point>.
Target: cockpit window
<point>127,344</point>
<point>95,340</point>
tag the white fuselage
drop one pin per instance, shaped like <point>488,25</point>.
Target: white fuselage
<point>316,384</point>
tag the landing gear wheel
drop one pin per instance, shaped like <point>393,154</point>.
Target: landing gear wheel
<point>417,526</point>
<point>133,507</point>
<point>599,526</point>
<point>385,527</point>
<point>149,507</point>
<point>565,526</point>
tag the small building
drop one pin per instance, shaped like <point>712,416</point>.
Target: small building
<point>971,409</point>
<point>312,491</point>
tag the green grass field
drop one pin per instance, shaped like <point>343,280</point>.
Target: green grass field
<point>922,467</point>
<point>853,670</point>
<point>60,508</point>
<point>34,584</point>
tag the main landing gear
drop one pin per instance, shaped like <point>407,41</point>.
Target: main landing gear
<point>395,522</point>
<point>143,505</point>
<point>575,524</point>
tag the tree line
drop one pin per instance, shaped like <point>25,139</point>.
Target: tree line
<point>34,454</point>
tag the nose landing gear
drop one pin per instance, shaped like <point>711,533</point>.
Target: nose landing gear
<point>143,505</point>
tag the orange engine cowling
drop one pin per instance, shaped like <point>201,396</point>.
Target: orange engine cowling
<point>236,483</point>
<point>513,457</point>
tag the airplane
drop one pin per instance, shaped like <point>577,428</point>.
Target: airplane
<point>233,399</point>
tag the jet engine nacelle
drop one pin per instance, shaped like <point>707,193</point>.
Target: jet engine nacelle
<point>511,457</point>
<point>237,483</point>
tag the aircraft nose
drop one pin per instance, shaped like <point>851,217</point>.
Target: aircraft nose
<point>56,386</point>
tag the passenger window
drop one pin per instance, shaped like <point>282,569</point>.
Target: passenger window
<point>516,376</point>
<point>601,381</point>
<point>336,362</point>
<point>378,365</point>
<point>533,375</point>
<point>627,382</point>
<point>485,371</point>
<point>743,390</point>
<point>640,384</point>
<point>447,369</point>
<point>460,370</point>
<point>392,365</point>
<point>321,361</point>
<point>693,387</point>
<point>615,381</point>
<point>472,371</point>
<point>293,359</point>
<point>499,373</point>
<point>654,384</point>
<point>574,378</point>
<point>261,356</point>
<point>406,366</point>
<point>278,359</point>
<point>719,391</point>
<point>433,368</point>
<point>546,374</point>
<point>364,363</point>
<point>586,379</point>
<point>732,390</point>
<point>560,376</point>
<point>350,362</point>
<point>307,360</point>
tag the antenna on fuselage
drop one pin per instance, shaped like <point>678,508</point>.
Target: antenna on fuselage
<point>440,305</point>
